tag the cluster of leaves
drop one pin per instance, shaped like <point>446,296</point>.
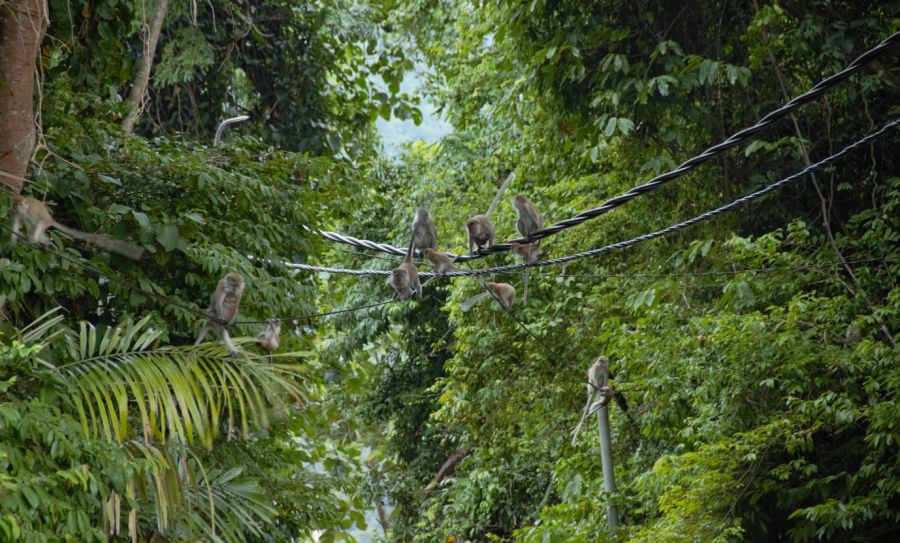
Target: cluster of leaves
<point>312,78</point>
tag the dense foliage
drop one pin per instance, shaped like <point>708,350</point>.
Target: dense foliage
<point>757,351</point>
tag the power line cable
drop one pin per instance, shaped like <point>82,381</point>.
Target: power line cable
<point>502,269</point>
<point>819,89</point>
<point>639,239</point>
<point>712,273</point>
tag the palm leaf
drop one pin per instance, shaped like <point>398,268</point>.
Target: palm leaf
<point>176,393</point>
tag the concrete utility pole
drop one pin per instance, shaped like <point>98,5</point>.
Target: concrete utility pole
<point>609,481</point>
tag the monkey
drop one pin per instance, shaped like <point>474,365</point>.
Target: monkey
<point>504,293</point>
<point>35,213</point>
<point>528,219</point>
<point>424,234</point>
<point>405,279</point>
<point>223,308</point>
<point>530,252</point>
<point>597,385</point>
<point>481,232</point>
<point>440,261</point>
<point>268,338</point>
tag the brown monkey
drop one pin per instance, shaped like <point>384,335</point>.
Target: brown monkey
<point>481,232</point>
<point>268,338</point>
<point>528,219</point>
<point>424,234</point>
<point>530,252</point>
<point>223,308</point>
<point>597,386</point>
<point>35,213</point>
<point>405,279</point>
<point>505,294</point>
<point>440,261</point>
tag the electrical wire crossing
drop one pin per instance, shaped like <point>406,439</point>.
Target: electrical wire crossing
<point>872,136</point>
<point>735,139</point>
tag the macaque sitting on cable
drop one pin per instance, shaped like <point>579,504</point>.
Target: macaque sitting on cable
<point>504,293</point>
<point>405,279</point>
<point>443,264</point>
<point>35,213</point>
<point>268,338</point>
<point>424,234</point>
<point>223,308</point>
<point>481,232</point>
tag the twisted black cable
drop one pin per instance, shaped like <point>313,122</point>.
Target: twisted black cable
<point>639,239</point>
<point>739,137</point>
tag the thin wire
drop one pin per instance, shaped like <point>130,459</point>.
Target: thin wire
<point>170,301</point>
<point>319,315</point>
<point>502,269</point>
<point>739,137</point>
<point>711,273</point>
<point>639,239</point>
<point>329,313</point>
<point>513,317</point>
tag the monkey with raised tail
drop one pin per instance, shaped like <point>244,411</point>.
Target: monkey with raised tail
<point>481,232</point>
<point>424,234</point>
<point>35,213</point>
<point>223,307</point>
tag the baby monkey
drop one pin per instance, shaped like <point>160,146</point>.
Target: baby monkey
<point>481,232</point>
<point>268,338</point>
<point>35,213</point>
<point>223,308</point>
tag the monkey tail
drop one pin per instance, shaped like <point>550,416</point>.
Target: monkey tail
<point>468,304</point>
<point>584,414</point>
<point>110,244</point>
<point>411,249</point>
<point>525,294</point>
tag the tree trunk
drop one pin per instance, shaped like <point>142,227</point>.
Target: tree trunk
<point>22,27</point>
<point>142,79</point>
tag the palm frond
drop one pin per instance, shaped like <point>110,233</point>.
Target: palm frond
<point>176,393</point>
